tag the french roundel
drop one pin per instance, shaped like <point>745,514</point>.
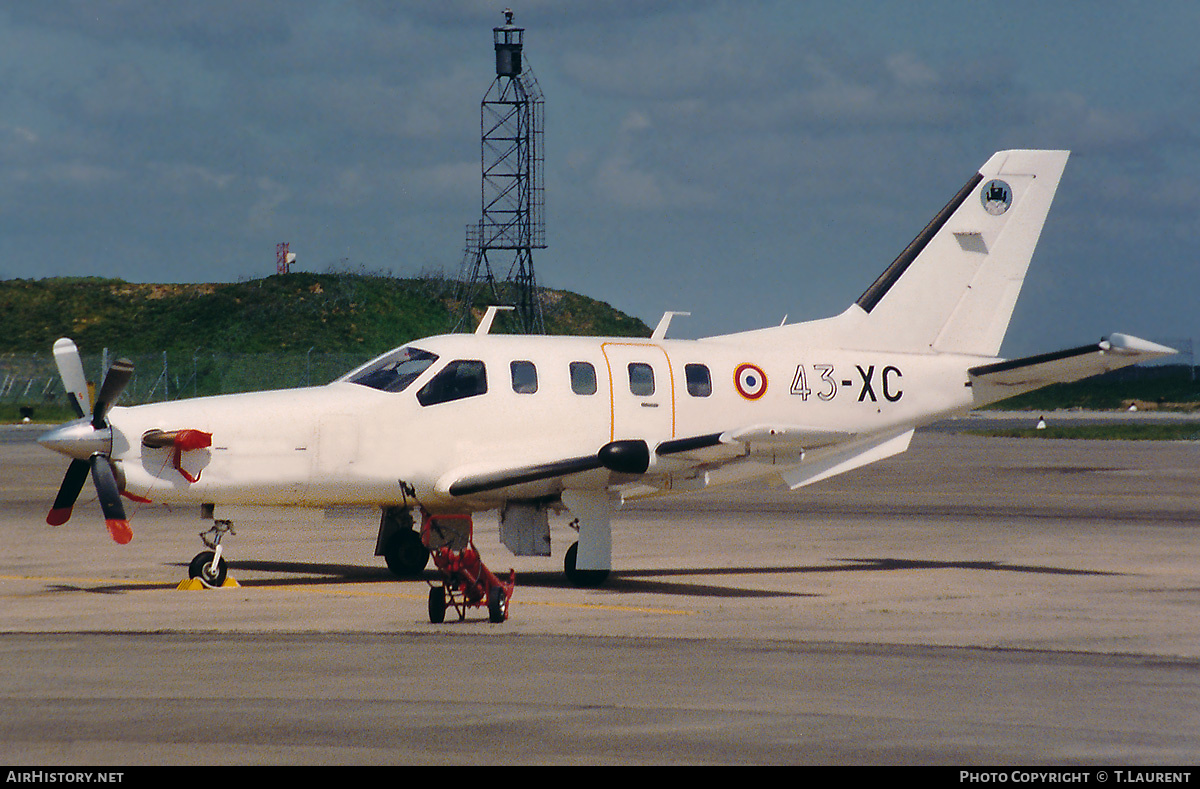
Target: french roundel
<point>750,380</point>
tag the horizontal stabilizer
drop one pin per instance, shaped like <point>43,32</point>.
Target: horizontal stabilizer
<point>840,459</point>
<point>1000,380</point>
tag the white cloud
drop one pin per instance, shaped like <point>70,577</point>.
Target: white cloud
<point>668,124</point>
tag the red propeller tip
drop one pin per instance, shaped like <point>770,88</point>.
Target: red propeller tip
<point>59,516</point>
<point>120,531</point>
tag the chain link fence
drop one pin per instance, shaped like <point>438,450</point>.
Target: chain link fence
<point>31,381</point>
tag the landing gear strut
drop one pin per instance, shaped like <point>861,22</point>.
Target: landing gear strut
<point>210,566</point>
<point>593,519</point>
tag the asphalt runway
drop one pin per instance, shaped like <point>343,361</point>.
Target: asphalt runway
<point>974,601</point>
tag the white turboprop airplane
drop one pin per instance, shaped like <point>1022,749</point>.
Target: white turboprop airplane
<point>530,424</point>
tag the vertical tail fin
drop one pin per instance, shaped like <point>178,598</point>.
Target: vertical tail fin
<point>954,287</point>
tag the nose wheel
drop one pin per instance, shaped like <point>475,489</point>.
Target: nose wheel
<point>209,567</point>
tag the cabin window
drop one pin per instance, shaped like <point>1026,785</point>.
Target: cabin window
<point>524,377</point>
<point>699,382</point>
<point>393,372</point>
<point>459,379</point>
<point>583,378</point>
<point>641,379</point>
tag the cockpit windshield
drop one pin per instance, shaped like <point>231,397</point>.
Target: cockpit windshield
<point>395,371</point>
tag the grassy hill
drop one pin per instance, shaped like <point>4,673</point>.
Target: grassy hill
<point>291,312</point>
<point>1171,387</point>
<point>198,339</point>
<point>299,329</point>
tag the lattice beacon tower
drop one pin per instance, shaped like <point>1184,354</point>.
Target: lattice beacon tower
<point>511,225</point>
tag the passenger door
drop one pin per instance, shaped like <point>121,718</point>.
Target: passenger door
<point>641,392</point>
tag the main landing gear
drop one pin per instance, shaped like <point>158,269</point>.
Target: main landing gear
<point>581,578</point>
<point>405,555</point>
<point>399,543</point>
<point>587,562</point>
<point>209,567</point>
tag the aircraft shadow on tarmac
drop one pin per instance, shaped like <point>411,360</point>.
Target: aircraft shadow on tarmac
<point>627,580</point>
<point>287,574</point>
<point>315,574</point>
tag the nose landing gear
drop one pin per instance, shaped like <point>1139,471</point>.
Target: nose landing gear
<point>209,567</point>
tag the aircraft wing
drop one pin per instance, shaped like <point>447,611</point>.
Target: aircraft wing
<point>465,484</point>
<point>633,457</point>
<point>768,437</point>
<point>1000,380</point>
<point>752,440</point>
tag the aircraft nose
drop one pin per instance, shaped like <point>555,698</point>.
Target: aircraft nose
<point>78,439</point>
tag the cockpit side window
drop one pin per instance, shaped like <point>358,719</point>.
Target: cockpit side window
<point>395,371</point>
<point>460,379</point>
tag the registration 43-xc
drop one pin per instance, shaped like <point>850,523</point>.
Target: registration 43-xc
<point>826,385</point>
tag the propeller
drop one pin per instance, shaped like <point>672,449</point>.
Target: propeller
<point>88,441</point>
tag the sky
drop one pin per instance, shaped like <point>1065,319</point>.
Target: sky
<point>742,161</point>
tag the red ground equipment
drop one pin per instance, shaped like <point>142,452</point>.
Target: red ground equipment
<point>466,582</point>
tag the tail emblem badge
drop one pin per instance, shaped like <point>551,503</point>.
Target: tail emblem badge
<point>996,197</point>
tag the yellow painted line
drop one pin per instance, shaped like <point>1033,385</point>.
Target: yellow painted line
<point>323,589</point>
<point>516,599</point>
<point>602,607</point>
<point>63,580</point>
<point>318,589</point>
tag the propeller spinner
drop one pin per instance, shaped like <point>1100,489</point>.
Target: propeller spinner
<point>88,441</point>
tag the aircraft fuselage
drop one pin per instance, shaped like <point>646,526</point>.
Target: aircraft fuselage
<point>542,398</point>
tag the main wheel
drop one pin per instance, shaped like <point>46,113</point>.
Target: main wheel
<point>584,578</point>
<point>437,604</point>
<point>404,554</point>
<point>497,605</point>
<point>202,568</point>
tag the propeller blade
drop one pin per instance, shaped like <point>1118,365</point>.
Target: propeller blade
<point>110,499</point>
<point>115,382</point>
<point>72,483</point>
<point>70,369</point>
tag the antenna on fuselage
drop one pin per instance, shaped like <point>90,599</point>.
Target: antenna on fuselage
<point>664,323</point>
<point>485,325</point>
